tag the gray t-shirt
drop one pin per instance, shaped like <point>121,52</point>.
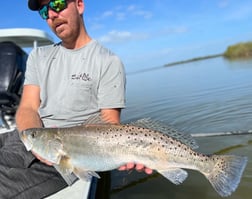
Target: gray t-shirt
<point>75,84</point>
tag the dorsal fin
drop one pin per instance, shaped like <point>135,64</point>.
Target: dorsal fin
<point>163,128</point>
<point>95,119</point>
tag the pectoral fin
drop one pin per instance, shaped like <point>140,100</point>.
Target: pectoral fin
<point>176,175</point>
<point>56,151</point>
<point>85,174</point>
<point>65,168</point>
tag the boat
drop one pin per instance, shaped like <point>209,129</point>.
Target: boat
<point>13,59</point>
<point>12,68</point>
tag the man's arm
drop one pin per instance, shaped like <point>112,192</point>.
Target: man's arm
<point>27,114</point>
<point>111,115</point>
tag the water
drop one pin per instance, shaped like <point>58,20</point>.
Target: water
<point>208,96</point>
<point>212,95</point>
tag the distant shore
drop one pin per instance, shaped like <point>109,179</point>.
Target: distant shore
<point>238,51</point>
<point>193,60</point>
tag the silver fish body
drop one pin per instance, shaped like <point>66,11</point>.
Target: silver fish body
<point>82,150</point>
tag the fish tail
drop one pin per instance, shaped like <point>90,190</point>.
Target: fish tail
<point>226,173</point>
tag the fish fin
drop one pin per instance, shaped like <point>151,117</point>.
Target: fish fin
<point>56,151</point>
<point>185,138</point>
<point>69,177</point>
<point>85,174</point>
<point>176,175</point>
<point>65,168</point>
<point>95,119</point>
<point>226,174</point>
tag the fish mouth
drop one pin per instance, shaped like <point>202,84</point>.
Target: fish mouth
<point>24,138</point>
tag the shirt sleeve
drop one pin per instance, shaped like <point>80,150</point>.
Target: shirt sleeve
<point>111,92</point>
<point>31,75</point>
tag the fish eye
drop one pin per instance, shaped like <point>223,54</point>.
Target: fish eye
<point>33,134</point>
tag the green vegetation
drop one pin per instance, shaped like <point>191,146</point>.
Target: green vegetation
<point>240,50</point>
<point>193,60</point>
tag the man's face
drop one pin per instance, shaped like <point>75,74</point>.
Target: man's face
<point>65,24</point>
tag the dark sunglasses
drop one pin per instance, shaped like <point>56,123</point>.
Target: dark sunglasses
<point>55,5</point>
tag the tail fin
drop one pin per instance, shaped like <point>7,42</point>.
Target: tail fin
<point>226,174</point>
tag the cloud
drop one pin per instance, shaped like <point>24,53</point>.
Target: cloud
<point>175,30</point>
<point>115,36</point>
<point>223,3</point>
<point>235,11</point>
<point>136,11</point>
<point>144,14</point>
<point>119,16</point>
<point>122,12</point>
<point>242,12</point>
<point>108,13</point>
<point>96,26</point>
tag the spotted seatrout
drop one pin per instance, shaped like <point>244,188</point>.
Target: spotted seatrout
<point>82,150</point>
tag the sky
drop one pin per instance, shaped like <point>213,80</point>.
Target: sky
<point>151,33</point>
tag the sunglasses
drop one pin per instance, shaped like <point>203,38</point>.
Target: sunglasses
<point>55,5</point>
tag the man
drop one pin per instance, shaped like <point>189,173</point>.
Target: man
<point>64,108</point>
<point>68,82</point>
<point>64,84</point>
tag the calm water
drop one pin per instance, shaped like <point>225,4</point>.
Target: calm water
<point>207,96</point>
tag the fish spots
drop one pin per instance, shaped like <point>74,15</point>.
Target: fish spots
<point>221,164</point>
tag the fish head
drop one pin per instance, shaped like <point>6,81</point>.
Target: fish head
<point>44,142</point>
<point>28,138</point>
<point>33,138</point>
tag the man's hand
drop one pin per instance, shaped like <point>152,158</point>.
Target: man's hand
<point>42,159</point>
<point>138,167</point>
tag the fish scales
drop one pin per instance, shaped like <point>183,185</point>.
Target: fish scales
<point>130,140</point>
<point>82,150</point>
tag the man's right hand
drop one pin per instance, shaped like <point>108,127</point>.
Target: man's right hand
<point>138,167</point>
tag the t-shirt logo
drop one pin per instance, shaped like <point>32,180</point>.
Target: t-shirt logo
<point>81,76</point>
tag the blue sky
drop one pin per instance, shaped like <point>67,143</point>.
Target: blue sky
<point>147,33</point>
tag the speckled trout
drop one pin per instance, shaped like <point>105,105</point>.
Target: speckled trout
<point>84,149</point>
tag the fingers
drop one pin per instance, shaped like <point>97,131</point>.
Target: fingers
<point>148,171</point>
<point>141,167</point>
<point>138,167</point>
<point>128,166</point>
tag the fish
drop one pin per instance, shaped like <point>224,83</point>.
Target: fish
<point>97,146</point>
